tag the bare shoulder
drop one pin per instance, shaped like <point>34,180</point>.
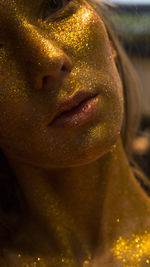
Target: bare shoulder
<point>127,250</point>
<point>130,260</point>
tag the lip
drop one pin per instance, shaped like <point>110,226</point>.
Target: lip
<point>75,111</point>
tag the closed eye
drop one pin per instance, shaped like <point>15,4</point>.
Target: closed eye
<point>53,6</point>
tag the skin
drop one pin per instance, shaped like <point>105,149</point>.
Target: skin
<point>80,193</point>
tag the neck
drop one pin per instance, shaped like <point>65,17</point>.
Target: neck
<point>91,204</point>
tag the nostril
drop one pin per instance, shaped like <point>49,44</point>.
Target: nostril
<point>45,80</point>
<point>64,68</point>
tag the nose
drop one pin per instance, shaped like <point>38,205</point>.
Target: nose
<point>45,64</point>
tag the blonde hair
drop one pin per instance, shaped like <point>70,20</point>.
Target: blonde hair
<point>131,88</point>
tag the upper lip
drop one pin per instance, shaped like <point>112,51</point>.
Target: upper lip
<point>72,102</point>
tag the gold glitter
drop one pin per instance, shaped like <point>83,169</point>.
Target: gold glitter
<point>27,261</point>
<point>86,262</point>
<point>82,36</point>
<point>132,251</point>
<point>79,34</point>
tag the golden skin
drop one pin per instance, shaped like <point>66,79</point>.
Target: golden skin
<point>43,49</point>
<point>79,190</point>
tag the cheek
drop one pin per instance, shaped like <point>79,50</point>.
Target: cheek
<point>81,35</point>
<point>12,85</point>
<point>13,101</point>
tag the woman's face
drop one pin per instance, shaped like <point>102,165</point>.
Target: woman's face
<point>61,98</point>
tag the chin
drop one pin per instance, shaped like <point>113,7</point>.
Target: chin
<point>84,155</point>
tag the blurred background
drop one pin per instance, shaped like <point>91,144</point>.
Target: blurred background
<point>131,20</point>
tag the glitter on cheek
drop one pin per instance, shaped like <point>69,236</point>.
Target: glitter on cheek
<point>77,33</point>
<point>11,88</point>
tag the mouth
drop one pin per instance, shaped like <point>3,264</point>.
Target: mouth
<point>75,111</point>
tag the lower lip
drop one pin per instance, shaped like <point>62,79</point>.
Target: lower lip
<point>80,115</point>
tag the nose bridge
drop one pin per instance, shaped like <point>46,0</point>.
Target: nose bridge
<point>39,57</point>
<point>35,48</point>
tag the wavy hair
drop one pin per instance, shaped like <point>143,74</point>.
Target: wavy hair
<point>131,89</point>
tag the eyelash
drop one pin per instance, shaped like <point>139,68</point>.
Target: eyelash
<point>65,11</point>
